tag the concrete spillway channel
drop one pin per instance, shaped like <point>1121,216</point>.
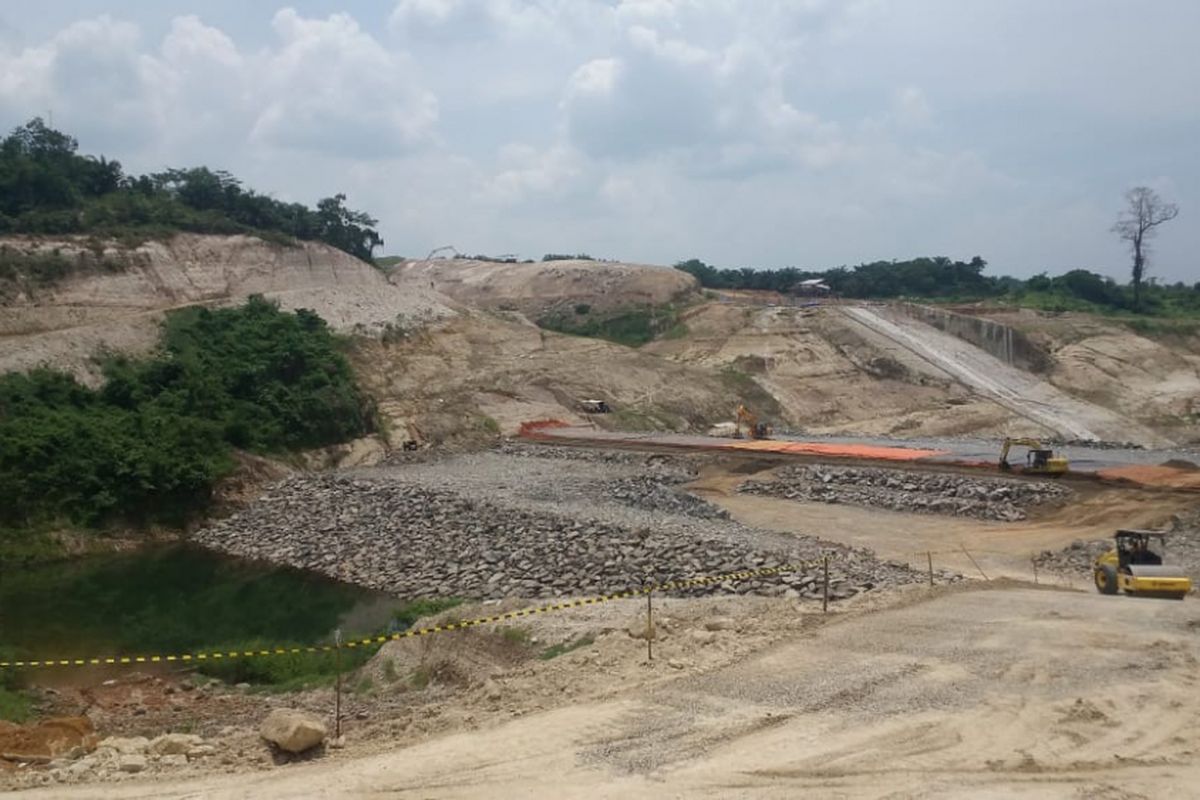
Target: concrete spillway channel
<point>1017,390</point>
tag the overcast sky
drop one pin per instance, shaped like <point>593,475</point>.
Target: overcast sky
<point>808,133</point>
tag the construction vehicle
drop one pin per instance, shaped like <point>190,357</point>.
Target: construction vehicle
<point>1040,460</point>
<point>754,428</point>
<point>437,252</point>
<point>1135,566</point>
<point>594,406</point>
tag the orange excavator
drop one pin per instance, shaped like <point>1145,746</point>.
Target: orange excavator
<point>754,428</point>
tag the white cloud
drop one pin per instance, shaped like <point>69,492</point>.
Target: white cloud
<point>326,86</point>
<point>88,74</point>
<point>332,88</point>
<point>910,108</point>
<point>526,173</point>
<point>742,131</point>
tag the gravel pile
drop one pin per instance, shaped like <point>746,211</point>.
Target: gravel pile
<point>491,525</point>
<point>900,490</point>
<point>657,495</point>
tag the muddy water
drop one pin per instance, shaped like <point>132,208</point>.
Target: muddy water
<point>173,599</point>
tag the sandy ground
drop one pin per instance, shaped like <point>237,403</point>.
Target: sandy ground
<point>986,690</point>
<point>992,549</point>
<point>547,286</point>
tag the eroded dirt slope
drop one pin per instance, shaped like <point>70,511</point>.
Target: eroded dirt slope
<point>827,377</point>
<point>486,373</point>
<point>66,323</point>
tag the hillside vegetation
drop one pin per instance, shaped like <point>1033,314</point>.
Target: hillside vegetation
<point>47,187</point>
<point>148,446</point>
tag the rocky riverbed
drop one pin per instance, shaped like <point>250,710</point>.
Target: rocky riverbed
<point>527,522</point>
<point>953,494</point>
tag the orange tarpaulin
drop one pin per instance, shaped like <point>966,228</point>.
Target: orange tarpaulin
<point>838,450</point>
<point>1150,475</point>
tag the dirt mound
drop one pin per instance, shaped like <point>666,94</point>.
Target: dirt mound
<point>461,659</point>
<point>64,322</point>
<point>40,742</point>
<point>547,286</point>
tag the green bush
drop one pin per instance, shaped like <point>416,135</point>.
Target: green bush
<point>407,615</point>
<point>562,648</point>
<point>149,446</point>
<point>15,706</point>
<point>632,327</point>
<point>285,672</point>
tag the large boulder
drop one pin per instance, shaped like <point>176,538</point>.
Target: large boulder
<point>292,730</point>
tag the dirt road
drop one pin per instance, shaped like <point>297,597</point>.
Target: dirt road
<point>999,549</point>
<point>983,691</point>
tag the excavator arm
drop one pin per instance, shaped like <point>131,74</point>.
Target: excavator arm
<point>754,428</point>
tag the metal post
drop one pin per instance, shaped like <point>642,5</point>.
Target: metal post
<point>649,626</point>
<point>337,708</point>
<point>929,557</point>
<point>825,600</point>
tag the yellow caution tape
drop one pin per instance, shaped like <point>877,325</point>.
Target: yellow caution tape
<point>414,632</point>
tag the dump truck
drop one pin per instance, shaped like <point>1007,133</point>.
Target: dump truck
<point>1135,565</point>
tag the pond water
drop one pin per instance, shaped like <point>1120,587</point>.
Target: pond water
<point>174,599</point>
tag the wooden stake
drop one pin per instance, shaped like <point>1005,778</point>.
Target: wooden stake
<point>825,601</point>
<point>1035,575</point>
<point>337,708</point>
<point>649,627</point>
<point>929,557</point>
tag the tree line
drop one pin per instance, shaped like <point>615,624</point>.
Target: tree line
<point>941,278</point>
<point>47,187</point>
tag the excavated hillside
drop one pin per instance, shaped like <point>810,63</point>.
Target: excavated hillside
<point>1153,379</point>
<point>830,374</point>
<point>448,346</point>
<point>106,297</point>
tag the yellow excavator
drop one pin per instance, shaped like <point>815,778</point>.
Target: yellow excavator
<point>1040,460</point>
<point>1135,566</point>
<point>754,428</point>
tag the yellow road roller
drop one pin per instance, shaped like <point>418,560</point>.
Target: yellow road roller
<point>1135,566</point>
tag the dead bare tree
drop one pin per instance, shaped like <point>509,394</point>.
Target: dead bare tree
<point>1144,212</point>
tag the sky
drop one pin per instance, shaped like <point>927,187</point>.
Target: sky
<point>763,133</point>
